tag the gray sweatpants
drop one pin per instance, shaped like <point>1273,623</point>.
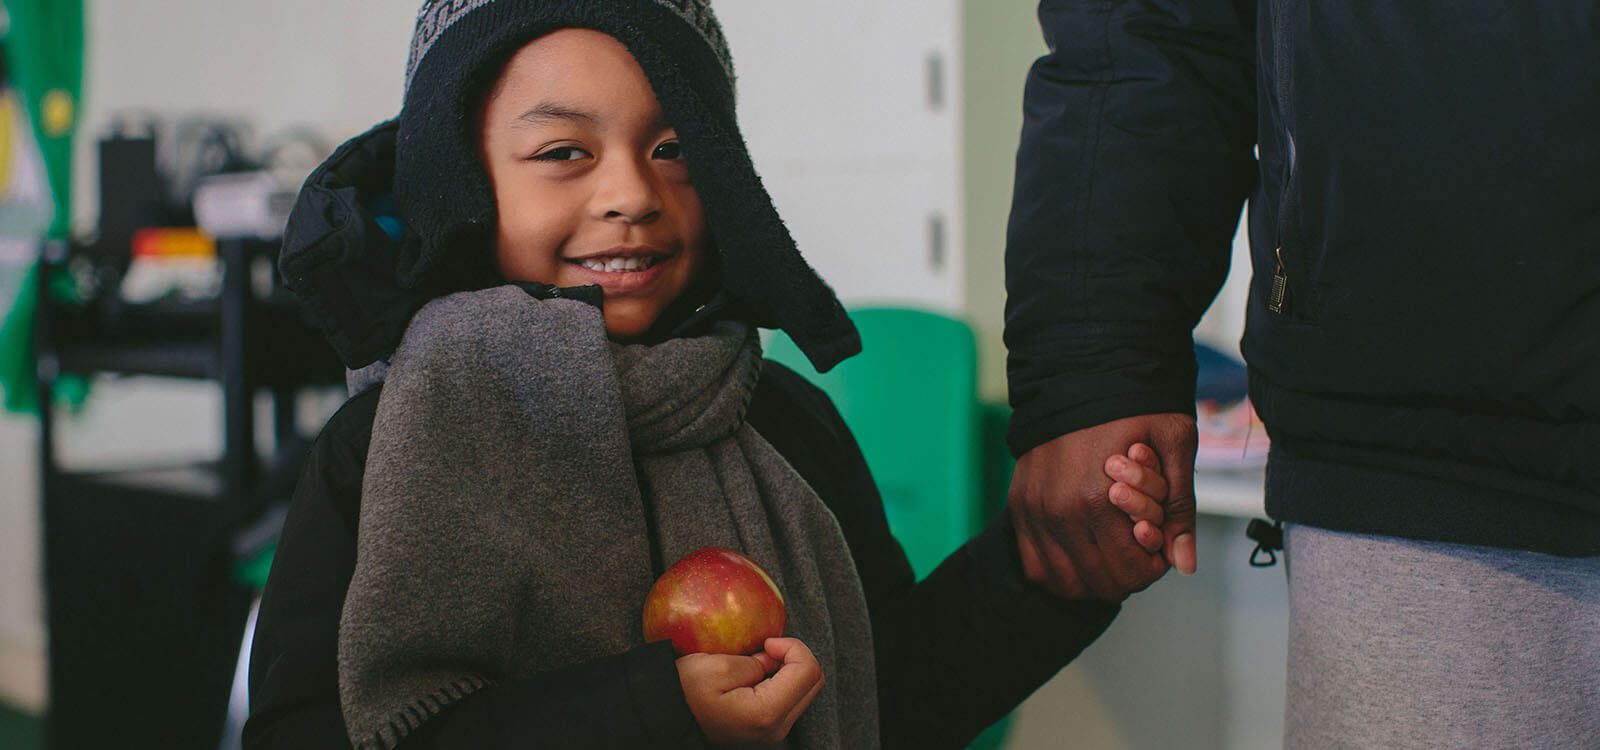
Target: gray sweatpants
<point>1402,644</point>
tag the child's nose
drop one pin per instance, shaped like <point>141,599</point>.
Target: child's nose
<point>629,193</point>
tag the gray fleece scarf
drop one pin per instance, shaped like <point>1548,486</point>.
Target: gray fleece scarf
<point>503,530</point>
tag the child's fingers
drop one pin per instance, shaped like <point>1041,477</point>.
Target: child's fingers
<point>736,702</point>
<point>1138,505</point>
<point>721,672</point>
<point>768,664</point>
<point>789,652</point>
<point>798,675</point>
<point>1148,535</point>
<point>797,682</point>
<point>1140,477</point>
<point>1146,455</point>
<point>801,705</point>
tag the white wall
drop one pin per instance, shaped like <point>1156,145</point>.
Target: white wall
<point>832,99</point>
<point>835,105</point>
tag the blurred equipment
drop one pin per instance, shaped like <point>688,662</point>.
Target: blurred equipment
<point>144,606</point>
<point>130,185</point>
<point>244,204</point>
<point>146,600</point>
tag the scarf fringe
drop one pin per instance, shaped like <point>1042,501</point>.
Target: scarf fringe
<point>411,716</point>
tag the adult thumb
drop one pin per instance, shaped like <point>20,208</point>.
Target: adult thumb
<point>1177,449</point>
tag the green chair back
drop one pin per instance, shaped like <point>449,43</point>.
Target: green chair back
<point>910,397</point>
<point>937,455</point>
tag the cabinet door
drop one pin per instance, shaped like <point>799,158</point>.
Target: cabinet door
<point>850,109</point>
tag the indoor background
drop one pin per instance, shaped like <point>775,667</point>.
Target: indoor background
<point>886,131</point>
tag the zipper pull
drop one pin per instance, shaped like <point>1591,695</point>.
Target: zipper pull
<point>1268,537</point>
<point>1280,286</point>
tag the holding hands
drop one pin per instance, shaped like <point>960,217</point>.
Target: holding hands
<point>1103,512</point>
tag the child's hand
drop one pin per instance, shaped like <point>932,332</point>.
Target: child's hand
<point>1139,490</point>
<point>738,704</point>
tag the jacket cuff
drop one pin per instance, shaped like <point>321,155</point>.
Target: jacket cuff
<point>1043,420</point>
<point>657,695</point>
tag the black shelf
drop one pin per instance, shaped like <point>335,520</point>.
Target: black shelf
<point>197,482</point>
<point>281,354</point>
<point>196,360</point>
<point>264,340</point>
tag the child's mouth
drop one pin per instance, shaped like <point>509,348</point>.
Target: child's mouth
<point>619,264</point>
<point>623,271</point>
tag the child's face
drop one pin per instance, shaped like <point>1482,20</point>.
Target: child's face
<point>589,178</point>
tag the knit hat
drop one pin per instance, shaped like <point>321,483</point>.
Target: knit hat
<point>443,190</point>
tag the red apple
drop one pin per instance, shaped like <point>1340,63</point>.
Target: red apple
<point>714,601</point>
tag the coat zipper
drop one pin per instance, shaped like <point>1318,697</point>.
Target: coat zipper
<point>1280,287</point>
<point>1278,303</point>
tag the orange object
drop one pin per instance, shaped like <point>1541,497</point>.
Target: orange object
<point>169,242</point>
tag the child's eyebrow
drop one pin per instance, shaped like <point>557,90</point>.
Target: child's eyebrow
<point>546,113</point>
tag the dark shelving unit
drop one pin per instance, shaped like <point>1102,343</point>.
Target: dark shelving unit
<point>144,613</point>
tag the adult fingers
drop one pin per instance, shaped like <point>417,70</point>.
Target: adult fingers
<point>1061,582</point>
<point>1074,532</point>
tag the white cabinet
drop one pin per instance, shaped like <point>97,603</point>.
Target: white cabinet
<point>851,110</point>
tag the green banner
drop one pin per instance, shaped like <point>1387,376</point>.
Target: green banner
<point>43,46</point>
<point>44,53</point>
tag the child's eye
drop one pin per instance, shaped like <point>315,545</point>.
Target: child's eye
<point>562,153</point>
<point>670,150</point>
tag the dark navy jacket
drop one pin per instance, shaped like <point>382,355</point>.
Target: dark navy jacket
<point>1424,190</point>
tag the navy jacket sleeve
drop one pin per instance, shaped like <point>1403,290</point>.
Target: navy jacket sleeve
<point>1134,161</point>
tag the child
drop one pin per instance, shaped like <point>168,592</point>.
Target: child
<point>545,275</point>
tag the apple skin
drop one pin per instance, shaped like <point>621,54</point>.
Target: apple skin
<point>714,601</point>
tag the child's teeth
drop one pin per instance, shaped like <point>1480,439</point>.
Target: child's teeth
<point>618,265</point>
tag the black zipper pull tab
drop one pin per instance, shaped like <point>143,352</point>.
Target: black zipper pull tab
<point>1280,286</point>
<point>1268,537</point>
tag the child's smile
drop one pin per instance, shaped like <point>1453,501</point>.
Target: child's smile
<point>623,270</point>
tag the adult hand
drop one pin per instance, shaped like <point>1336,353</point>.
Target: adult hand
<point>1073,540</point>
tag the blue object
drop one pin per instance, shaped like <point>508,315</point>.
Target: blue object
<point>1220,377</point>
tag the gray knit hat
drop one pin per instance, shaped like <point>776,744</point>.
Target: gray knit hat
<point>438,15</point>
